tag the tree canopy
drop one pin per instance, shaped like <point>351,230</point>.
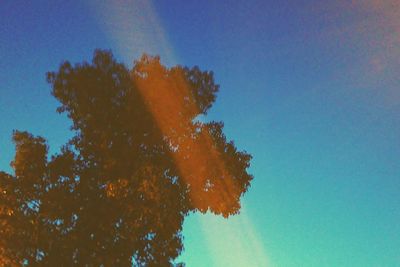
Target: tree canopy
<point>139,162</point>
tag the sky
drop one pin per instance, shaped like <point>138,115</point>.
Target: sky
<point>310,88</point>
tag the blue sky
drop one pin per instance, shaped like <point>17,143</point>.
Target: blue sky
<point>310,89</point>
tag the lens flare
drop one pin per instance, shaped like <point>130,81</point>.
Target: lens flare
<point>135,28</point>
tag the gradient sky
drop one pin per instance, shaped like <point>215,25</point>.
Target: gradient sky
<point>310,89</point>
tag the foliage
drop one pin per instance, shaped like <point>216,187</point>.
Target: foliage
<point>139,162</point>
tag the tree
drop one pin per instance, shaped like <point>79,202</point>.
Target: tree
<point>139,162</point>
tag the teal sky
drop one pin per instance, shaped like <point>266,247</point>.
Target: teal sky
<point>310,89</point>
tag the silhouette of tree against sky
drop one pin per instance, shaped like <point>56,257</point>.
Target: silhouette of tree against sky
<point>139,162</point>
